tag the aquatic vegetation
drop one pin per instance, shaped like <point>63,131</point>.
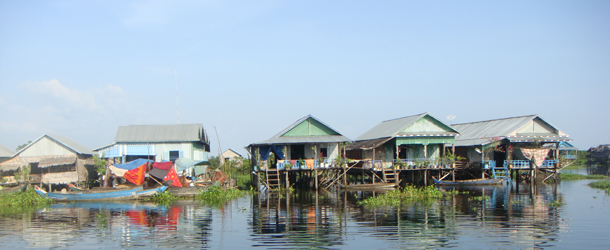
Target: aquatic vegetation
<point>404,195</point>
<point>479,198</point>
<point>571,177</point>
<point>217,195</point>
<point>601,185</point>
<point>164,198</point>
<point>22,201</point>
<point>556,204</point>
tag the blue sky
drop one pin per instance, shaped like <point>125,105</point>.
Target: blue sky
<point>248,69</point>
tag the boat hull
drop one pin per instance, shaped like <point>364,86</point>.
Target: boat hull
<point>371,186</point>
<point>475,182</point>
<point>129,194</point>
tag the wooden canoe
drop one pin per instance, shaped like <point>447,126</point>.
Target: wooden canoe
<point>370,186</point>
<point>472,182</point>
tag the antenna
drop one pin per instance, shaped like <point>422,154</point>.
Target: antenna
<point>177,107</point>
<point>451,117</point>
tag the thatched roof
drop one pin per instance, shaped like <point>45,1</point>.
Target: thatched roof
<point>12,164</point>
<point>60,178</point>
<point>56,161</point>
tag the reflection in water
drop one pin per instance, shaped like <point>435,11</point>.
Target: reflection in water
<point>486,217</point>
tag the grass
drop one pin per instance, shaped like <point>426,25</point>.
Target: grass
<point>571,177</point>
<point>396,198</point>
<point>217,195</point>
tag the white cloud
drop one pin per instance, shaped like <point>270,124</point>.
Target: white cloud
<point>49,107</point>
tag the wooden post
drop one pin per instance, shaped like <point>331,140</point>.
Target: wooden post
<point>425,177</point>
<point>453,152</point>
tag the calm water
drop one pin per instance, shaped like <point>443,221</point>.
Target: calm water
<point>509,218</point>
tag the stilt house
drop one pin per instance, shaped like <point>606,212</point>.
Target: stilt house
<point>416,141</point>
<point>307,143</point>
<point>53,160</point>
<point>516,142</point>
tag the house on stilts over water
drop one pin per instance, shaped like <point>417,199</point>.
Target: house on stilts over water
<point>526,144</point>
<point>305,153</point>
<point>412,147</point>
<point>52,160</point>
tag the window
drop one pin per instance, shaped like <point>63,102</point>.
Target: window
<point>323,153</point>
<point>173,155</point>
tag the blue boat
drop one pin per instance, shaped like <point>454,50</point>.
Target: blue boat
<point>126,194</point>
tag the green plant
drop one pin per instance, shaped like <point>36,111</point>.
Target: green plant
<point>100,165</point>
<point>218,196</point>
<point>23,173</point>
<point>556,203</point>
<point>165,198</point>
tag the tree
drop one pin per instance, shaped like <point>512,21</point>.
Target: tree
<point>22,146</point>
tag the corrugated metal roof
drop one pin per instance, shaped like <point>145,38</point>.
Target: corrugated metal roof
<point>71,144</point>
<point>305,139</point>
<point>5,152</point>
<point>162,133</point>
<point>65,141</point>
<point>480,133</point>
<point>392,128</point>
<point>368,144</point>
<point>279,139</point>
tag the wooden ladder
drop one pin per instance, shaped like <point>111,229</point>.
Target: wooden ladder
<point>389,175</point>
<point>273,178</point>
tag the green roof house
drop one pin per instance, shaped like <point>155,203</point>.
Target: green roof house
<point>412,140</point>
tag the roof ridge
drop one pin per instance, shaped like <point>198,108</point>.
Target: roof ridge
<point>425,113</point>
<point>494,119</point>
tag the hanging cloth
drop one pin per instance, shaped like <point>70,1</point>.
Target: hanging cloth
<point>536,155</point>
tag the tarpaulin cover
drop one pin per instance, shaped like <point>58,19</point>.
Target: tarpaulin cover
<point>136,175</point>
<point>200,169</point>
<point>264,151</point>
<point>132,164</point>
<point>159,173</point>
<point>117,171</point>
<point>171,175</point>
<point>162,165</point>
<point>277,149</point>
<point>184,163</point>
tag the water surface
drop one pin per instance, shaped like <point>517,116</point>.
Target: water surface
<point>486,217</point>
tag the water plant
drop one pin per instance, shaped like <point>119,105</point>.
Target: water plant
<point>21,201</point>
<point>601,185</point>
<point>570,176</point>
<point>556,203</point>
<point>165,198</point>
<point>396,198</point>
<point>217,196</point>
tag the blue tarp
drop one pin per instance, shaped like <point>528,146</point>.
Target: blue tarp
<point>132,164</point>
<point>277,149</point>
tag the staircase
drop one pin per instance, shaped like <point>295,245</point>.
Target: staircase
<point>389,175</point>
<point>273,178</point>
<point>500,173</point>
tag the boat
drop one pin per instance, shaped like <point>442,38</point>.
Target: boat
<point>125,194</point>
<point>471,182</point>
<point>380,185</point>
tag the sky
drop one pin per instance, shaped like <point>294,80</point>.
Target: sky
<point>248,69</point>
